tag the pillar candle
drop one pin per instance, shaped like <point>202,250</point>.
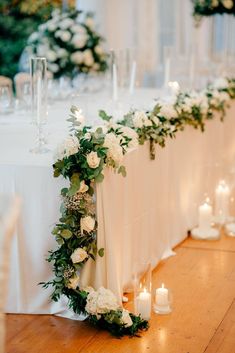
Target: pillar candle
<point>222,202</point>
<point>162,296</point>
<point>205,216</point>
<point>143,304</point>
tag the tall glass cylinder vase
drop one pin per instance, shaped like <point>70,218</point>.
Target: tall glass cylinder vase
<point>38,71</point>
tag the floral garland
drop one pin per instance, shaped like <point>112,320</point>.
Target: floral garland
<point>82,159</point>
<point>213,7</point>
<point>69,44</point>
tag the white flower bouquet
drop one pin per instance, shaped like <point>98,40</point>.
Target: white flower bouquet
<point>70,44</point>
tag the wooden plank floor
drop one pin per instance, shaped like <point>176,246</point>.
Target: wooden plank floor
<point>202,279</point>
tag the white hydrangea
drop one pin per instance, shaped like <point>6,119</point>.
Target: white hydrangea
<point>101,302</point>
<point>167,111</point>
<point>79,255</point>
<point>115,152</point>
<point>140,119</point>
<point>67,148</point>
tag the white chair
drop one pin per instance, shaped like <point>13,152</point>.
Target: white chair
<point>9,214</point>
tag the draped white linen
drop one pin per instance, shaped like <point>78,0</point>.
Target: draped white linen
<point>140,217</point>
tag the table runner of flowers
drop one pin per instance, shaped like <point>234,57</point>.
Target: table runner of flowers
<point>82,159</point>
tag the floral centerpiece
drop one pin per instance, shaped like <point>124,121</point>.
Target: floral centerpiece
<point>71,45</point>
<point>212,7</point>
<point>82,159</point>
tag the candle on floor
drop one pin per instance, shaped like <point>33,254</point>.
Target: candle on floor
<point>222,202</point>
<point>162,296</point>
<point>162,302</point>
<point>205,216</point>
<point>143,304</point>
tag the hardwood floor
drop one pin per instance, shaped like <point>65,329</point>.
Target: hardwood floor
<point>202,280</point>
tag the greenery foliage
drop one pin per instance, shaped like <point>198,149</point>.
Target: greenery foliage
<point>212,7</point>
<point>18,19</point>
<point>82,158</point>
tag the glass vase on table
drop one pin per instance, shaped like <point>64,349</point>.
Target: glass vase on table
<point>38,69</point>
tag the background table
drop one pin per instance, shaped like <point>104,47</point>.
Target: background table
<point>140,217</point>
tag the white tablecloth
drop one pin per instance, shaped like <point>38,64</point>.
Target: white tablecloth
<point>140,217</point>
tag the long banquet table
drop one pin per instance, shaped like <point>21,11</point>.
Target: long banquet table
<point>140,217</point>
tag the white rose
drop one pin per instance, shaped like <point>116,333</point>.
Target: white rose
<point>67,148</point>
<point>78,29</point>
<point>53,67</point>
<point>87,136</point>
<point>220,83</point>
<point>66,23</point>
<point>140,119</point>
<point>168,111</point>
<point>51,26</point>
<point>79,40</point>
<point>126,319</point>
<point>58,33</point>
<point>89,22</point>
<point>61,53</point>
<point>99,50</point>
<point>88,57</point>
<point>215,3</point>
<point>51,55</point>
<point>115,152</point>
<point>83,187</point>
<point>156,120</point>
<point>87,223</point>
<point>77,57</point>
<point>73,282</point>
<point>110,140</point>
<point>132,134</point>
<point>78,255</point>
<point>65,36</point>
<point>228,4</point>
<point>93,160</point>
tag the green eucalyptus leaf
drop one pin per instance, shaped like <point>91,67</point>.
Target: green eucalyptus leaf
<point>66,233</point>
<point>101,252</point>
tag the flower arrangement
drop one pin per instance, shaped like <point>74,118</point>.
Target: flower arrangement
<point>69,44</point>
<point>81,159</point>
<point>212,7</point>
